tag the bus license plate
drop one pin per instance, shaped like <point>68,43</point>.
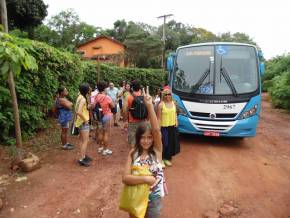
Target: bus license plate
<point>210,133</point>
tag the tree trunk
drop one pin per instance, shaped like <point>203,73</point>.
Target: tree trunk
<point>4,20</point>
<point>11,83</point>
<point>30,31</point>
<point>15,110</point>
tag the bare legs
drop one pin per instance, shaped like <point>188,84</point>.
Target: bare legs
<point>63,135</point>
<point>84,136</point>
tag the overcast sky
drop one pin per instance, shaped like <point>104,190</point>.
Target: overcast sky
<point>267,22</point>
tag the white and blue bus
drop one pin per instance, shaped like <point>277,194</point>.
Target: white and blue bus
<point>217,87</point>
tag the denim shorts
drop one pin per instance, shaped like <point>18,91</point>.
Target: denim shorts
<point>154,208</point>
<point>106,120</point>
<point>84,127</point>
<point>65,125</point>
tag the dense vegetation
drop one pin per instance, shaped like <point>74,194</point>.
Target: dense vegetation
<point>36,88</point>
<point>276,81</point>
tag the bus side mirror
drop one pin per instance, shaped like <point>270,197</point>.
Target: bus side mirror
<point>262,68</point>
<point>262,64</point>
<point>169,64</point>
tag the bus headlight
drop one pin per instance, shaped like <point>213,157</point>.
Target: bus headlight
<point>249,113</point>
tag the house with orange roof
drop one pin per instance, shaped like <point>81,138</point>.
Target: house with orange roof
<point>103,49</point>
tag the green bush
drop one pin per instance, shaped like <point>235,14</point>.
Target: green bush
<point>280,91</point>
<point>276,81</point>
<point>148,77</point>
<point>36,89</point>
<point>275,67</point>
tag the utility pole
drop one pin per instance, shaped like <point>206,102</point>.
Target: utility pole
<point>164,38</point>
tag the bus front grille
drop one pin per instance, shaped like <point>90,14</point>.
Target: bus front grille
<point>217,126</point>
<point>218,115</point>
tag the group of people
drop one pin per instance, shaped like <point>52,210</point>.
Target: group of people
<point>152,132</point>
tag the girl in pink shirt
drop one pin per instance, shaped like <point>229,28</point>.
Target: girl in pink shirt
<point>105,103</point>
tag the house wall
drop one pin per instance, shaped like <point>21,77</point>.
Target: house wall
<point>101,46</point>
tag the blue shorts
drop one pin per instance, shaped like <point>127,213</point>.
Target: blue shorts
<point>106,121</point>
<point>154,207</point>
<point>84,127</point>
<point>65,125</point>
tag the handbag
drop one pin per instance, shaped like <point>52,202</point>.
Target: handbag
<point>134,198</point>
<point>74,130</point>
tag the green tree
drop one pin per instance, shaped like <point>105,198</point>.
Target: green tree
<point>65,30</point>
<point>177,34</point>
<point>143,49</point>
<point>85,32</point>
<point>44,34</point>
<point>26,14</point>
<point>65,25</point>
<point>236,37</point>
<point>243,38</point>
<point>202,35</point>
<point>120,30</point>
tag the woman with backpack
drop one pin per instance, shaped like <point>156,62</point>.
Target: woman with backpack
<point>64,111</point>
<point>104,105</point>
<point>132,109</point>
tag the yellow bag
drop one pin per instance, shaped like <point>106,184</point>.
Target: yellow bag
<point>134,198</point>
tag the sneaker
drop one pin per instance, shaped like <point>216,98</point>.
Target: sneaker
<point>167,163</point>
<point>67,146</point>
<point>88,158</point>
<point>107,152</point>
<point>163,164</point>
<point>100,149</point>
<point>83,162</point>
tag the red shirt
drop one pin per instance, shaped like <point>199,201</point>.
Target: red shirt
<point>104,101</point>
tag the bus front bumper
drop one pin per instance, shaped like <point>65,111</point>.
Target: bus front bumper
<point>241,128</point>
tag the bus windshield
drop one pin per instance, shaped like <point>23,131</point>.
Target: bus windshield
<point>216,70</point>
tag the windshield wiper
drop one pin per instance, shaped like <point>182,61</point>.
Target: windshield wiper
<point>200,81</point>
<point>224,73</point>
<point>202,78</point>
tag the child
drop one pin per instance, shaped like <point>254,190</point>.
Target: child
<point>106,104</point>
<point>148,151</point>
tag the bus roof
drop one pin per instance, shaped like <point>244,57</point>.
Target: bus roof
<point>216,43</point>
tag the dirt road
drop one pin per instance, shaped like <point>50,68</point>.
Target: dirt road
<point>240,178</point>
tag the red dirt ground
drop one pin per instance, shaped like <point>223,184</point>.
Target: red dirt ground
<point>251,175</point>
